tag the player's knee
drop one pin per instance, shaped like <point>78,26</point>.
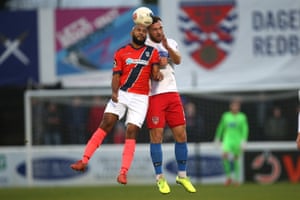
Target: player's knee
<point>132,131</point>
<point>156,136</point>
<point>107,126</point>
<point>179,134</point>
<point>156,139</point>
<point>180,137</point>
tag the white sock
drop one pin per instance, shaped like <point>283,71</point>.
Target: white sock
<point>158,176</point>
<point>182,174</point>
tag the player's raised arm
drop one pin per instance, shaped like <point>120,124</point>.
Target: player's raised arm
<point>174,54</point>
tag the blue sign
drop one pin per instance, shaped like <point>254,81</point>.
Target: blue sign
<point>18,47</point>
<point>50,169</point>
<point>200,166</point>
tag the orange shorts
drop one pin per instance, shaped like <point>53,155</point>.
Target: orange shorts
<point>165,109</point>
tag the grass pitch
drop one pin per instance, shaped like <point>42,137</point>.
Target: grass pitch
<point>279,191</point>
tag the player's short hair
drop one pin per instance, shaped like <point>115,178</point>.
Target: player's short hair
<point>155,19</point>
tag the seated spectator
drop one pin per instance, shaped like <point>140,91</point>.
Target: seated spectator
<point>194,123</point>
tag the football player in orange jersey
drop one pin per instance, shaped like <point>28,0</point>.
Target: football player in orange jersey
<point>134,65</point>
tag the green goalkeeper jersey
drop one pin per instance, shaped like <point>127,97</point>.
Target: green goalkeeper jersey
<point>232,128</point>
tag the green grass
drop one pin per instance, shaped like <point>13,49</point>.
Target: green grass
<point>279,191</point>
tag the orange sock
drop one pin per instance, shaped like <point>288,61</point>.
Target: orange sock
<point>94,142</point>
<point>128,153</point>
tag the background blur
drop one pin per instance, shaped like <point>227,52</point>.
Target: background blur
<point>77,60</point>
<point>230,48</point>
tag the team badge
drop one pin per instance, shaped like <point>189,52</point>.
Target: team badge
<point>208,29</point>
<point>147,54</point>
<point>155,120</point>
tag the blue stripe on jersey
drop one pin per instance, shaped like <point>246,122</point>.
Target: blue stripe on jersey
<point>136,71</point>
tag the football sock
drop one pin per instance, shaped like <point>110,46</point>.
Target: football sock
<point>182,174</point>
<point>181,152</point>
<point>128,153</point>
<point>158,176</point>
<point>93,143</point>
<point>156,156</point>
<point>236,165</point>
<point>226,165</point>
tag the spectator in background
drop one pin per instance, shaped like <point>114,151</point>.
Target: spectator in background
<point>194,123</point>
<point>119,133</point>
<point>76,121</point>
<point>95,115</point>
<point>276,127</point>
<point>232,131</point>
<point>52,134</point>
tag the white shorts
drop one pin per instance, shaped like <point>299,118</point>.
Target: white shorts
<point>136,106</point>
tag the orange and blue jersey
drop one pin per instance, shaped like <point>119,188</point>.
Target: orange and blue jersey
<point>135,66</point>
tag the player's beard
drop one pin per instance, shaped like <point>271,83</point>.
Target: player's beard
<point>137,41</point>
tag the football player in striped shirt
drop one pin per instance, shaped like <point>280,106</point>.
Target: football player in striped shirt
<point>135,64</point>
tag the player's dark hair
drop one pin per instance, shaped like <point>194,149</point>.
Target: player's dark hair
<point>155,19</point>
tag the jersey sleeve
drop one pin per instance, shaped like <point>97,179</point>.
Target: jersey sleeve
<point>155,57</point>
<point>118,63</point>
<point>173,44</point>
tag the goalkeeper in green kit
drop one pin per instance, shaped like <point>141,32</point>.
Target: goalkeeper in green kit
<point>232,132</point>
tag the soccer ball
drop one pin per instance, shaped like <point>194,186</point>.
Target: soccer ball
<point>142,15</point>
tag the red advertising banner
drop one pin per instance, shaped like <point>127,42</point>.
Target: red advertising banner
<point>272,166</point>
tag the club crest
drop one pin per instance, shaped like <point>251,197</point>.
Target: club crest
<point>207,29</point>
<point>155,120</point>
